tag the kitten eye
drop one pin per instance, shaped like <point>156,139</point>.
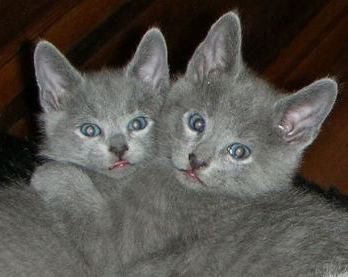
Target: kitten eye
<point>196,122</point>
<point>239,151</point>
<point>137,123</point>
<point>90,130</point>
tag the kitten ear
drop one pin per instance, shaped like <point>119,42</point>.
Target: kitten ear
<point>54,75</point>
<point>220,51</point>
<point>150,61</point>
<point>303,113</point>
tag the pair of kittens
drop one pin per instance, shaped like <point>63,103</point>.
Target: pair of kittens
<point>192,180</point>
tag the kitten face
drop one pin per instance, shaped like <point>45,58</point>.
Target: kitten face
<point>238,147</point>
<point>103,120</point>
<point>229,131</point>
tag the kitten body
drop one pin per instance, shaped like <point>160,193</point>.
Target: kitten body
<point>95,124</point>
<point>31,242</point>
<point>223,204</point>
<point>224,201</point>
<point>282,233</point>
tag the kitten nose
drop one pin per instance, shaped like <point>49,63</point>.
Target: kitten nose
<point>119,150</point>
<point>195,163</point>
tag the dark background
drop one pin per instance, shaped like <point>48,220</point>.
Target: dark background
<point>290,43</point>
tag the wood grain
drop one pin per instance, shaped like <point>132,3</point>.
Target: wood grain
<point>17,73</point>
<point>318,51</point>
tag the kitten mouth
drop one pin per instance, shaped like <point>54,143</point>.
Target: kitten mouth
<point>119,164</point>
<point>192,174</point>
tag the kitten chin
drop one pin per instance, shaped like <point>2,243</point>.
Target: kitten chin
<point>112,168</point>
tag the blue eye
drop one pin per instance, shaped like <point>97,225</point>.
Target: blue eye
<point>137,123</point>
<point>239,151</point>
<point>90,130</point>
<point>196,122</point>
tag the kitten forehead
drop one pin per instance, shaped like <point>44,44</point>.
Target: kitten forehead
<point>244,98</point>
<point>108,94</point>
<point>227,100</point>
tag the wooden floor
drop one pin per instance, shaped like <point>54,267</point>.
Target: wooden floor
<point>291,43</point>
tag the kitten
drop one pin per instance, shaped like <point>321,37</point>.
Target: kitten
<point>224,204</point>
<point>98,127</point>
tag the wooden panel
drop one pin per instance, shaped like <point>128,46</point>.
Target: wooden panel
<point>321,50</point>
<point>62,35</point>
<point>260,20</point>
<point>307,40</point>
<point>67,31</point>
<point>24,28</point>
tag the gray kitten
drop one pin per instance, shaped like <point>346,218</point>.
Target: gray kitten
<point>224,204</point>
<point>96,125</point>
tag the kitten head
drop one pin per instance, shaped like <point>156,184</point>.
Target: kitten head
<point>227,131</point>
<point>102,120</point>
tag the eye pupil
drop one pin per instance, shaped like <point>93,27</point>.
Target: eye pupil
<point>137,123</point>
<point>239,151</point>
<point>90,130</point>
<point>198,125</point>
<point>196,122</point>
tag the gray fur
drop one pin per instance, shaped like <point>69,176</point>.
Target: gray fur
<point>110,99</point>
<point>243,218</point>
<point>31,241</point>
<point>77,214</point>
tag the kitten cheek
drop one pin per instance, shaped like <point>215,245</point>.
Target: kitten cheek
<point>137,152</point>
<point>180,160</point>
<point>241,162</point>
<point>102,149</point>
<point>78,133</point>
<point>177,164</point>
<point>102,156</point>
<point>211,170</point>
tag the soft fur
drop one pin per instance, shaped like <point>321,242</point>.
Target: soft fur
<point>73,217</point>
<point>198,211</point>
<point>232,217</point>
<point>108,98</point>
<point>32,243</point>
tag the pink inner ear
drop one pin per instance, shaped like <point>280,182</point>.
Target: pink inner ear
<point>152,70</point>
<point>297,122</point>
<point>215,55</point>
<point>53,84</point>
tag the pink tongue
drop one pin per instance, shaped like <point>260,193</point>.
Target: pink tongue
<point>119,164</point>
<point>192,174</point>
